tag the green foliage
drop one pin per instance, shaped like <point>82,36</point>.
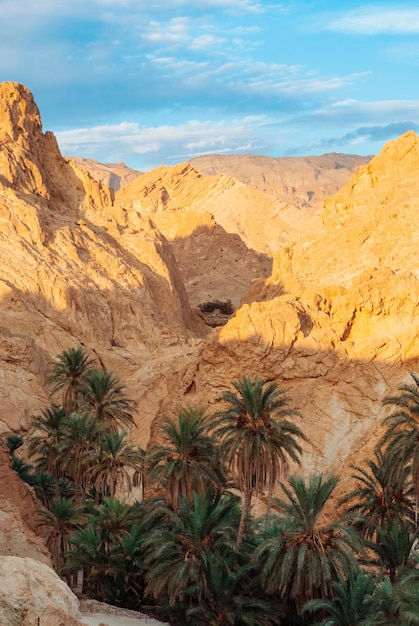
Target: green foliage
<point>178,546</point>
<point>67,373</point>
<point>13,442</point>
<point>101,394</point>
<point>401,438</point>
<point>306,556</point>
<point>384,494</point>
<point>394,546</point>
<point>186,462</point>
<point>230,594</point>
<point>114,463</point>
<point>256,438</point>
<point>351,603</point>
<point>190,554</point>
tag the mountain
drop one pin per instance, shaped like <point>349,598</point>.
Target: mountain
<point>74,270</point>
<point>325,289</point>
<point>114,175</point>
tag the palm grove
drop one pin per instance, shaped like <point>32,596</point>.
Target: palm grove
<point>195,553</point>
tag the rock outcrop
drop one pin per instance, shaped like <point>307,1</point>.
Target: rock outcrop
<point>113,175</point>
<point>31,594</point>
<point>20,532</point>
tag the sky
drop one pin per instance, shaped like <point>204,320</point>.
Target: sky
<point>153,82</point>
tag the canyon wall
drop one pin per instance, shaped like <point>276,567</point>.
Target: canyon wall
<point>326,295</point>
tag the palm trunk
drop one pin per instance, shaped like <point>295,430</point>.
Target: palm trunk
<point>269,503</point>
<point>247,501</point>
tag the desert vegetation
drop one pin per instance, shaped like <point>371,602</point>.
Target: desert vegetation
<point>194,552</point>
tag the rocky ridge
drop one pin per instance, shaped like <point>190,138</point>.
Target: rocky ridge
<point>328,312</point>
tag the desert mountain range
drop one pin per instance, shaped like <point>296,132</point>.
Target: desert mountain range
<point>318,256</point>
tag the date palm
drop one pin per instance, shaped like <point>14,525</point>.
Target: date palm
<point>351,602</point>
<point>230,596</point>
<point>257,439</point>
<point>67,374</point>
<point>177,547</point>
<point>393,547</point>
<point>401,437</point>
<point>306,555</point>
<point>62,519</point>
<point>103,396</point>
<point>74,453</point>
<point>184,463</point>
<point>384,494</point>
<point>45,441</point>
<point>115,463</point>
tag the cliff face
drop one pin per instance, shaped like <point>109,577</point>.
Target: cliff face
<point>73,269</point>
<point>326,304</point>
<point>336,322</point>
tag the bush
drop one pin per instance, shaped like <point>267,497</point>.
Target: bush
<point>225,307</point>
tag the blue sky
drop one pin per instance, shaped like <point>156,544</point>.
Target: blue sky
<point>158,82</point>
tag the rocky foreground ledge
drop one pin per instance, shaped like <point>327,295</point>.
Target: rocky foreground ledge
<point>31,594</point>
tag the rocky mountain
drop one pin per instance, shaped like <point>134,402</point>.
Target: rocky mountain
<point>325,290</point>
<point>335,323</point>
<point>114,175</point>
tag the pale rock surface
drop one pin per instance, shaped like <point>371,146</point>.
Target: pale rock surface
<point>226,216</point>
<point>31,594</point>
<point>114,175</point>
<point>301,183</point>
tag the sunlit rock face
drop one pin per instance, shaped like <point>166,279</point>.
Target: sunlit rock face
<point>326,299</point>
<point>73,269</point>
<point>336,322</point>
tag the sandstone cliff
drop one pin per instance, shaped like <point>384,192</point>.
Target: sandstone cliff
<point>73,269</point>
<point>332,320</point>
<point>336,322</point>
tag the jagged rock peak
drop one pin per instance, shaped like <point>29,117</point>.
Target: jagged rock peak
<point>376,184</point>
<point>20,120</point>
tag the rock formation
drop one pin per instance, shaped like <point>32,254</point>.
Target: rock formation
<point>74,269</point>
<point>31,594</point>
<point>20,533</point>
<point>113,175</point>
<point>326,303</point>
<point>335,323</point>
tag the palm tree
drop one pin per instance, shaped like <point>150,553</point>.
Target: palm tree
<point>176,549</point>
<point>230,596</point>
<point>305,556</point>
<point>67,374</point>
<point>384,494</point>
<point>395,604</point>
<point>74,452</point>
<point>103,396</point>
<point>393,547</point>
<point>401,437</point>
<point>256,438</point>
<point>46,440</point>
<point>116,462</point>
<point>351,602</point>
<point>185,462</point>
<point>62,519</point>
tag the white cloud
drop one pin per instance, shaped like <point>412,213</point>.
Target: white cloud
<point>144,147</point>
<point>378,19</point>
